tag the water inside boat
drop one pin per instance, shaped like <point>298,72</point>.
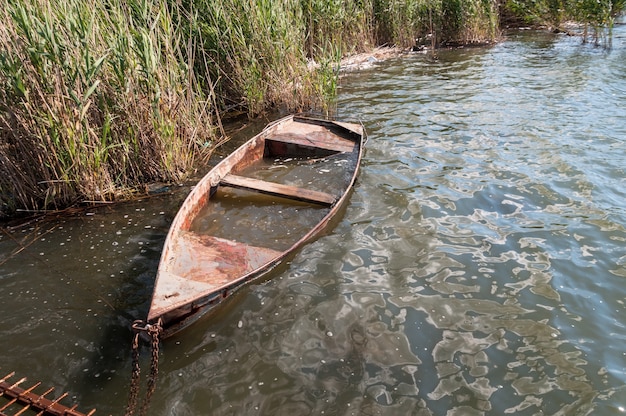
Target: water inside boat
<point>271,221</point>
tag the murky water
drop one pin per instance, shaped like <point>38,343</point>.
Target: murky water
<point>480,267</point>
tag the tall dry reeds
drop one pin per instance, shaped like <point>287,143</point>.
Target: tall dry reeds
<point>99,98</point>
<point>268,54</point>
<point>95,99</point>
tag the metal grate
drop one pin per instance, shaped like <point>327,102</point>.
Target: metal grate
<point>15,400</point>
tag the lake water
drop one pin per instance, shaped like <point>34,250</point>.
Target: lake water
<point>479,268</point>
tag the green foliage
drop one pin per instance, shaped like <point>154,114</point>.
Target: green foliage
<point>435,22</point>
<point>597,14</point>
<point>255,48</point>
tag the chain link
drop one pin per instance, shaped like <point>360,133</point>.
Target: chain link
<point>154,332</point>
<point>135,378</point>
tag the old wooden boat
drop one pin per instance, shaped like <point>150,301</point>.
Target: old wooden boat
<point>265,200</point>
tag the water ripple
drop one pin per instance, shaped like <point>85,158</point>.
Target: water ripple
<point>478,269</point>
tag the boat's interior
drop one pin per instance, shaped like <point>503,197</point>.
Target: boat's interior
<point>275,200</point>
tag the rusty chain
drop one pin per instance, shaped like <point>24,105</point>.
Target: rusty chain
<point>154,332</point>
<point>135,378</point>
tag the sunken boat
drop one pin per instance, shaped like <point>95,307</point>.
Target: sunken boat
<point>276,192</point>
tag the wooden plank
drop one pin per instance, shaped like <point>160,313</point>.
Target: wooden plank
<point>320,140</point>
<point>202,265</point>
<point>285,191</point>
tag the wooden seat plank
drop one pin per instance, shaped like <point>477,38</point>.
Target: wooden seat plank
<point>285,191</point>
<point>315,140</point>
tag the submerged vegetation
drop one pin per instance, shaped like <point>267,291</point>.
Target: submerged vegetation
<point>97,99</point>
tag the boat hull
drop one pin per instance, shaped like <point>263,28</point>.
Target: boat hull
<point>234,226</point>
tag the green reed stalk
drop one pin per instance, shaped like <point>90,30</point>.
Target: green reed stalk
<point>95,99</point>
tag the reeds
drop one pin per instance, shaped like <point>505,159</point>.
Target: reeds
<point>255,47</point>
<point>95,99</point>
<point>434,23</point>
<point>262,51</point>
<point>99,98</point>
<point>596,17</point>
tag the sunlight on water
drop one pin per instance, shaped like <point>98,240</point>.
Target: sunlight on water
<point>478,269</point>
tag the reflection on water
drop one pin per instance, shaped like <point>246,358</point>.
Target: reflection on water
<point>478,270</point>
